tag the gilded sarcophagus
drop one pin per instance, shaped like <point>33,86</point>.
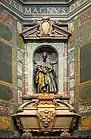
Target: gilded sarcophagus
<point>46,113</point>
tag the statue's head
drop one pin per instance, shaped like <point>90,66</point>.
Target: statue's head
<point>44,55</point>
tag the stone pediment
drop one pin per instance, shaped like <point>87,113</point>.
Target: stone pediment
<point>45,29</point>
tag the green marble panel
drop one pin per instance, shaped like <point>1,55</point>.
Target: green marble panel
<point>81,40</point>
<point>5,93</point>
<point>5,32</point>
<point>85,91</point>
<point>85,63</point>
<point>71,56</point>
<point>5,63</point>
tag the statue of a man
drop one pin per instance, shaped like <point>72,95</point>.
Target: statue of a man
<point>45,78</point>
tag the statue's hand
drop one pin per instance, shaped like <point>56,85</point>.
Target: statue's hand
<point>50,70</point>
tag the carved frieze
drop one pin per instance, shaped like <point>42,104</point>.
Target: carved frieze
<point>6,108</point>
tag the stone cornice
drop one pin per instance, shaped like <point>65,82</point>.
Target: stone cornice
<point>47,1</point>
<point>79,9</point>
<point>61,12</point>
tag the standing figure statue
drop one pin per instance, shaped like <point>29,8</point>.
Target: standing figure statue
<point>45,77</point>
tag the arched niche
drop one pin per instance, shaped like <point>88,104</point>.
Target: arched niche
<point>52,57</point>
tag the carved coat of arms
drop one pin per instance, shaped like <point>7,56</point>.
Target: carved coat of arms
<point>45,28</point>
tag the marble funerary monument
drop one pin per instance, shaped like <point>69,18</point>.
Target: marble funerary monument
<point>44,75</point>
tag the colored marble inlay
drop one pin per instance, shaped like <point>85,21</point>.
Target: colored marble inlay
<point>5,63</point>
<point>19,97</point>
<point>6,18</point>
<point>5,32</point>
<point>26,82</point>
<point>86,123</point>
<point>6,108</point>
<point>85,17</point>
<point>71,97</point>
<point>72,38</point>
<point>71,69</point>
<point>6,93</point>
<point>85,91</point>
<point>71,83</point>
<point>19,55</point>
<point>19,69</point>
<point>5,122</point>
<point>84,108</point>
<point>71,73</point>
<point>19,83</point>
<point>19,40</point>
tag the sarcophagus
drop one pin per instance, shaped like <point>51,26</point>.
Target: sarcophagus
<point>46,113</point>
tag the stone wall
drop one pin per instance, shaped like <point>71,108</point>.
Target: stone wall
<point>8,92</point>
<point>80,48</point>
